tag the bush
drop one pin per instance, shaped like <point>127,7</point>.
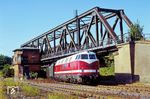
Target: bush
<point>136,32</point>
<point>1,74</point>
<point>7,71</point>
<point>107,71</point>
<point>33,75</point>
<point>108,60</point>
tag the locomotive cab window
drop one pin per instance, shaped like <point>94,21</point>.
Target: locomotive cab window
<point>84,56</point>
<point>78,57</point>
<point>92,56</point>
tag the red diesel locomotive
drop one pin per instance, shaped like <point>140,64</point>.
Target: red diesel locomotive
<point>78,68</point>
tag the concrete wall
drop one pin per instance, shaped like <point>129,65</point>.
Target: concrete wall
<point>142,61</point>
<point>122,60</point>
<point>132,62</point>
<point>122,63</point>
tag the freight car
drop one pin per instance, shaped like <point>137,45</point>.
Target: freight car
<point>78,68</point>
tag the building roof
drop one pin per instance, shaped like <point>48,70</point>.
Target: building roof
<point>25,48</point>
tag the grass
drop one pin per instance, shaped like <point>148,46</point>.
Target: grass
<point>107,71</point>
<point>2,91</point>
<point>26,89</point>
<point>11,82</point>
<point>30,91</point>
<point>2,94</point>
<point>60,96</point>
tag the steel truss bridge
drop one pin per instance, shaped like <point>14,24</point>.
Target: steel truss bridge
<point>97,29</point>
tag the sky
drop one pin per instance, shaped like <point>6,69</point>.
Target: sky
<point>22,20</point>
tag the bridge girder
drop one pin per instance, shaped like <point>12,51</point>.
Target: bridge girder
<point>87,30</point>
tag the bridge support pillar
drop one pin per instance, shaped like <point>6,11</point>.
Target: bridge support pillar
<point>132,62</point>
<point>122,61</point>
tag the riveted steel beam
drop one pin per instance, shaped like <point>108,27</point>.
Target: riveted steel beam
<point>89,29</point>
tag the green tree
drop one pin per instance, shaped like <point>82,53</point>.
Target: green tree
<point>8,60</point>
<point>136,32</point>
<point>4,60</point>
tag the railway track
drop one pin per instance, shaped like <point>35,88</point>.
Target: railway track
<point>100,91</point>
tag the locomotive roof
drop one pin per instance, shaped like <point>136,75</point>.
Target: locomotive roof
<point>72,57</point>
<point>86,52</point>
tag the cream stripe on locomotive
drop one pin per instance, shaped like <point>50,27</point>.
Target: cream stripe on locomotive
<point>77,71</point>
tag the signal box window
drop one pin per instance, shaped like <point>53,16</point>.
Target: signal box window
<point>25,59</point>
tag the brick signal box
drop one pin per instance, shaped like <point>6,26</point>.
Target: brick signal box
<point>26,60</point>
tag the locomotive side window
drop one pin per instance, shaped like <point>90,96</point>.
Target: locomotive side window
<point>57,62</point>
<point>92,56</point>
<point>84,56</point>
<point>78,57</point>
<point>66,60</point>
<point>70,59</point>
<point>62,61</point>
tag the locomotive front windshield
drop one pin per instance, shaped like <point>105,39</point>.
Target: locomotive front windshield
<point>92,56</point>
<point>86,56</point>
